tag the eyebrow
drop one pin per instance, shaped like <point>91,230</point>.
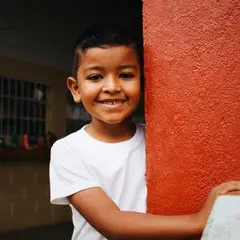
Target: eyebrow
<point>94,68</point>
<point>100,68</point>
<point>128,66</point>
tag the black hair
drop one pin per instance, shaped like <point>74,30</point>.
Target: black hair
<point>103,36</point>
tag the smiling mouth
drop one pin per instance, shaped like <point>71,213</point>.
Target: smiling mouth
<point>113,102</point>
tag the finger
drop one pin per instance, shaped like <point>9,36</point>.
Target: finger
<point>234,193</point>
<point>229,187</point>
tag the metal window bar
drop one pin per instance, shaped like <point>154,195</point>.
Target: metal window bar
<point>19,110</point>
<point>8,96</point>
<point>1,107</point>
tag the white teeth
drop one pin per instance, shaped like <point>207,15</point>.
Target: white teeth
<point>111,102</point>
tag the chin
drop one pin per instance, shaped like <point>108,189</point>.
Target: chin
<point>113,121</point>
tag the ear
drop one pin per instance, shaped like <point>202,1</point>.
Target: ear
<point>72,85</point>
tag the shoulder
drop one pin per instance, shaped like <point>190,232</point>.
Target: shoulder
<point>69,140</point>
<point>141,127</point>
<point>68,145</point>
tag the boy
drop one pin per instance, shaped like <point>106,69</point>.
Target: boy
<point>100,169</point>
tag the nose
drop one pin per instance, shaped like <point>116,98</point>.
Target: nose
<point>111,85</point>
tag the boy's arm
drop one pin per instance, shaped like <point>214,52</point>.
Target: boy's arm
<point>104,215</point>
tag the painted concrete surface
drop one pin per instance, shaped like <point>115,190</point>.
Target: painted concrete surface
<point>224,220</point>
<point>192,66</point>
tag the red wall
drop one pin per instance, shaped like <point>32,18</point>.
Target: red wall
<point>192,65</point>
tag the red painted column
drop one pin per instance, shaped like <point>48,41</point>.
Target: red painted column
<point>192,65</point>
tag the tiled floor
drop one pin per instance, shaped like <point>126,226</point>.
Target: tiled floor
<point>58,232</point>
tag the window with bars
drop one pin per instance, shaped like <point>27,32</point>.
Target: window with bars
<point>22,107</point>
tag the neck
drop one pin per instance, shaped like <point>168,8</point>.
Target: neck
<point>112,133</point>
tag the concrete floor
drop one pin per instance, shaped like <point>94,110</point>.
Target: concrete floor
<point>57,232</point>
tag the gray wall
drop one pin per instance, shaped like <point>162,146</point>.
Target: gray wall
<point>44,33</point>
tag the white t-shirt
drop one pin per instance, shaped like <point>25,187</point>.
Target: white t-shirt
<point>79,161</point>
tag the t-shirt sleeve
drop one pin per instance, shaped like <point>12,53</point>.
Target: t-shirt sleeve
<point>68,173</point>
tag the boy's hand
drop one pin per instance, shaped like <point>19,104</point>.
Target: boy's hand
<point>232,187</point>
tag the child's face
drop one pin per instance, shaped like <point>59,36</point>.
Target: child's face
<point>108,83</point>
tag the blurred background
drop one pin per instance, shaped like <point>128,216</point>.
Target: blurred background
<point>36,42</point>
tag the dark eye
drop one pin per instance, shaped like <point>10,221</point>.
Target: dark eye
<point>126,75</point>
<point>94,77</point>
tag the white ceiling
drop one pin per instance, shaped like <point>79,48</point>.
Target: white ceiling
<point>44,33</point>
